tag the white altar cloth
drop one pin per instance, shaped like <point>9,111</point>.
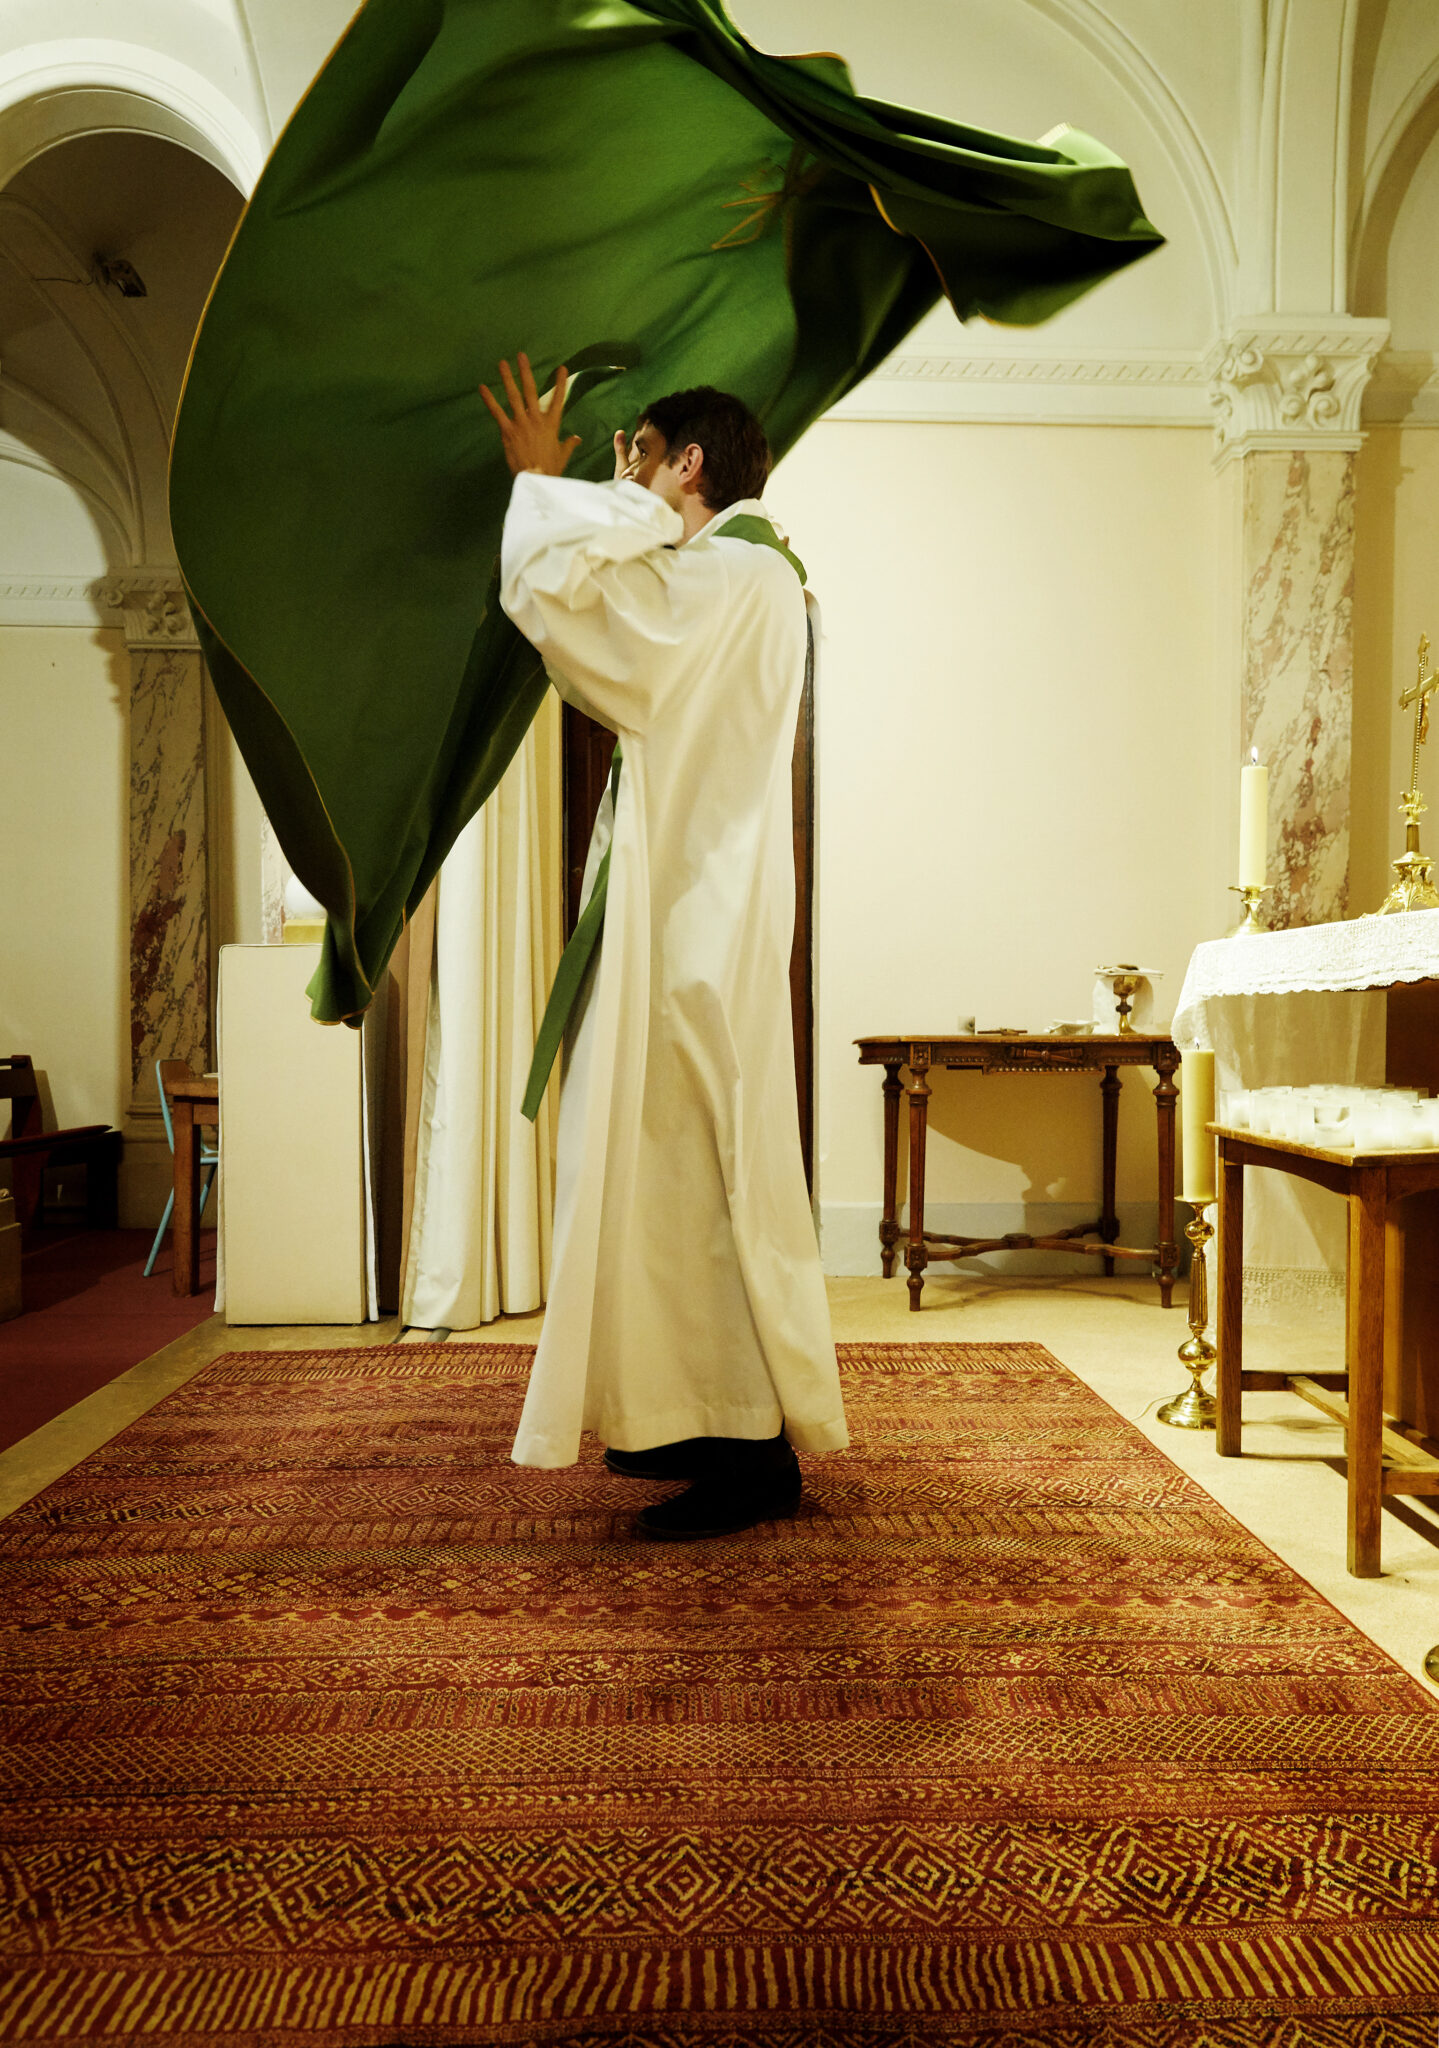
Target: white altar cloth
<point>1361,953</point>
<point>1291,1009</point>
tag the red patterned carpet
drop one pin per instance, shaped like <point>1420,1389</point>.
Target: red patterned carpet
<point>326,1725</point>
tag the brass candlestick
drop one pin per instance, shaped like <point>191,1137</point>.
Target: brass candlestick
<point>1248,918</point>
<point>1413,871</point>
<point>1194,1409</point>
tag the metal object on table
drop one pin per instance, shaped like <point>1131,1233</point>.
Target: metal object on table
<point>1414,871</point>
<point>1194,1409</point>
<point>1126,980</point>
<point>1248,917</point>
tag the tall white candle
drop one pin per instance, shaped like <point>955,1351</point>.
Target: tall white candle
<point>1196,1104</point>
<point>1253,825</point>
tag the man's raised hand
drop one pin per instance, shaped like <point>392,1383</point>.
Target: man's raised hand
<point>530,431</point>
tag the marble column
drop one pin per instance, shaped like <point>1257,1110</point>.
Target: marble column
<point>1287,395</point>
<point>1296,703</point>
<point>169,865</point>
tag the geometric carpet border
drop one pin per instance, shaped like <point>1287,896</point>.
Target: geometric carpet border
<point>322,1723</point>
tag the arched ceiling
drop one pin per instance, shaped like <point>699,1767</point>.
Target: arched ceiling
<point>89,378</point>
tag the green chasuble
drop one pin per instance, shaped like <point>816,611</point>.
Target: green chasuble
<point>623,185</point>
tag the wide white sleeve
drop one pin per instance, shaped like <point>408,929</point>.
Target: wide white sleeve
<point>589,574</point>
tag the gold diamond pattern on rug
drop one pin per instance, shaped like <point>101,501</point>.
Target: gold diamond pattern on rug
<point>323,1724</point>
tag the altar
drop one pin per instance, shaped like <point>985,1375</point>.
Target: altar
<point>1354,1002</point>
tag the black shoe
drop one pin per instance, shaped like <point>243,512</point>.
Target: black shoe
<point>716,1507</point>
<point>690,1459</point>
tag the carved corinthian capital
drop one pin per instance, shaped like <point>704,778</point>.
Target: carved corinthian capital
<point>1285,382</point>
<point>153,608</point>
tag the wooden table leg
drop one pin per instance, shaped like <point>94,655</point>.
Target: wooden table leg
<point>185,1220</point>
<point>915,1256</point>
<point>1109,1093</point>
<point>1228,1386</point>
<point>889,1221</point>
<point>1366,1371</point>
<point>1165,1097</point>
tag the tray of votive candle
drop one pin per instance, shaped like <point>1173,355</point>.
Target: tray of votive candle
<point>1336,1118</point>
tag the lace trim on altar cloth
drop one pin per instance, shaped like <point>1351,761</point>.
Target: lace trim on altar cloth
<point>1359,953</point>
<point>1287,1290</point>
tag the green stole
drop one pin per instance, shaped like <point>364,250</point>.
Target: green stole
<point>575,960</point>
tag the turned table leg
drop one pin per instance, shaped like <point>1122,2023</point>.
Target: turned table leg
<point>915,1256</point>
<point>1109,1092</point>
<point>1228,1380</point>
<point>889,1221</point>
<point>1165,1097</point>
<point>1366,1371</point>
<point>185,1218</point>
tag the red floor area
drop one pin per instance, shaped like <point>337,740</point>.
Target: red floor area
<point>89,1315</point>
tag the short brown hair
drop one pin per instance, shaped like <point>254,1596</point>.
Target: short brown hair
<point>735,449</point>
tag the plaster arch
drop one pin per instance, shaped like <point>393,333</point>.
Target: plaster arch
<point>53,92</point>
<point>1122,57</point>
<point>90,380</point>
<point>1401,150</point>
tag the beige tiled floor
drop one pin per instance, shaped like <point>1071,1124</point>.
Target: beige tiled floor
<point>1288,1487</point>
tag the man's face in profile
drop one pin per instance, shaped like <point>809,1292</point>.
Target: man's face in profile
<point>646,464</point>
<point>645,457</point>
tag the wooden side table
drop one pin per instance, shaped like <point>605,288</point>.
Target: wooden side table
<point>192,1103</point>
<point>1040,1053</point>
<point>1381,1458</point>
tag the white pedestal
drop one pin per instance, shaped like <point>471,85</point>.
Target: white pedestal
<point>293,1218</point>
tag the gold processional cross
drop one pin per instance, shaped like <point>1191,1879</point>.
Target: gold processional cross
<point>1414,887</point>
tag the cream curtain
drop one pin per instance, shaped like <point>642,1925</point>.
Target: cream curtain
<point>478,1238</point>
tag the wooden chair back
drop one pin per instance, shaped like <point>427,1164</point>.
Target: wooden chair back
<point>18,1087</point>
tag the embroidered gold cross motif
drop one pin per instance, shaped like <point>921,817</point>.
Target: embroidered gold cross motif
<point>762,206</point>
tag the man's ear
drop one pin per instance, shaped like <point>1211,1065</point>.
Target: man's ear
<point>687,469</point>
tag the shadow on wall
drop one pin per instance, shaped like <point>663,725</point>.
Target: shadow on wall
<point>1024,1153</point>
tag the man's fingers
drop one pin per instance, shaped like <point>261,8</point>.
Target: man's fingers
<point>500,416</point>
<point>527,383</point>
<point>512,391</point>
<point>557,403</point>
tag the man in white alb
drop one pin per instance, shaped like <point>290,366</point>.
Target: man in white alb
<point>687,1322</point>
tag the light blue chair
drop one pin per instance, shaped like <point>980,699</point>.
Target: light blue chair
<point>209,1160</point>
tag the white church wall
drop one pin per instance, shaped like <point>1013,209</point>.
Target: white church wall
<point>64,936</point>
<point>289,44</point>
<point>1024,739</point>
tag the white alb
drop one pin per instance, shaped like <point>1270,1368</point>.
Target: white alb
<point>686,1297</point>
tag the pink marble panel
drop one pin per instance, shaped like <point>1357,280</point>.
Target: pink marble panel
<point>169,893</point>
<point>1299,670</point>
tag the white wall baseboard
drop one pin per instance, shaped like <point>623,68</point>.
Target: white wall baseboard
<point>849,1235</point>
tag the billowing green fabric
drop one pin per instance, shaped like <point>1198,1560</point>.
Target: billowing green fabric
<point>623,185</point>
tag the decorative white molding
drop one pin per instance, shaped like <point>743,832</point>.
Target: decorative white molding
<point>147,605</point>
<point>1141,388</point>
<point>1291,383</point>
<point>81,85</point>
<point>152,609</point>
<point>51,601</point>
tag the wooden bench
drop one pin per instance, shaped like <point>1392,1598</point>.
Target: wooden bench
<point>96,1147</point>
<point>1382,1456</point>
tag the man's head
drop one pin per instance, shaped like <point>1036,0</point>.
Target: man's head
<point>699,450</point>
